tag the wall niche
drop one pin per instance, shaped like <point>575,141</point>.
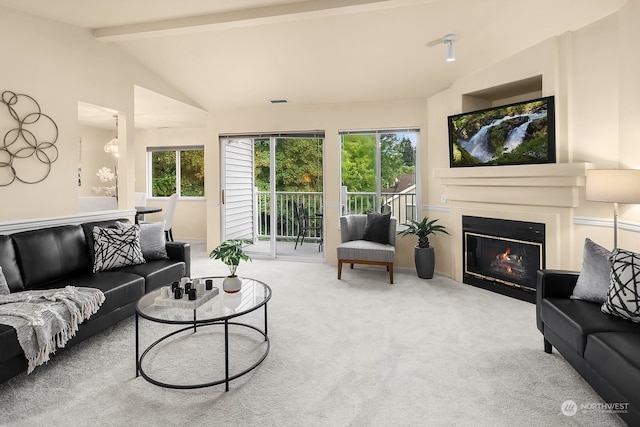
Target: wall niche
<point>508,93</point>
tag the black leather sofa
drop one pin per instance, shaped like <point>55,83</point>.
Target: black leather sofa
<point>604,349</point>
<point>59,256</point>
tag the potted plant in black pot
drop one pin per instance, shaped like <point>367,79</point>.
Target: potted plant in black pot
<point>231,253</point>
<point>424,254</point>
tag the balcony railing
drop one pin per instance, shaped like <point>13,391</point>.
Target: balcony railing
<point>401,205</point>
<point>286,223</point>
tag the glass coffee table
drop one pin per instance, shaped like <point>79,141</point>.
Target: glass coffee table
<point>220,310</point>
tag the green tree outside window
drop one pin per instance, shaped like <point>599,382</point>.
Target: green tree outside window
<point>163,173</point>
<point>165,167</point>
<point>192,173</point>
<point>361,170</point>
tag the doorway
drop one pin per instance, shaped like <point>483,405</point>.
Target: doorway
<point>273,193</point>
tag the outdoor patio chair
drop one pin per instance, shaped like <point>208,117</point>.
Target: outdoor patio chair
<point>306,224</point>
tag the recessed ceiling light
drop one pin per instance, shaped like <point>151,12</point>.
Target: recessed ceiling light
<point>279,101</point>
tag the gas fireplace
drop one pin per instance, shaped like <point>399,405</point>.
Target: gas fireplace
<point>503,255</point>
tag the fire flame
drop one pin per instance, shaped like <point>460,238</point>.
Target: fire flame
<point>505,255</point>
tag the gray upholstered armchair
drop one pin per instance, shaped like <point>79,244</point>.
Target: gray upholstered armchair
<point>378,249</point>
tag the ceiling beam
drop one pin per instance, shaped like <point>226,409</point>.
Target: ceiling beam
<point>240,18</point>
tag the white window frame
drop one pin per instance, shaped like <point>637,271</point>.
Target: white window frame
<point>378,159</point>
<point>178,150</point>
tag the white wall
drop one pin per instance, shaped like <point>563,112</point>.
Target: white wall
<point>59,65</point>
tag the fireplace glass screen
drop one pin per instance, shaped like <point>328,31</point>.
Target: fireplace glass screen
<point>511,262</point>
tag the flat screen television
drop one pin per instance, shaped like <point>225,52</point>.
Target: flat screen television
<point>514,134</point>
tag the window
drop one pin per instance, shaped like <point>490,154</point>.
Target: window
<point>378,172</point>
<point>176,170</point>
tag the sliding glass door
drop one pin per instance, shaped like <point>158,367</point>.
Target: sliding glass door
<point>273,193</point>
<point>298,196</point>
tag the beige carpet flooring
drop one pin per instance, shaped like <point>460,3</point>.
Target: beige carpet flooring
<point>355,352</point>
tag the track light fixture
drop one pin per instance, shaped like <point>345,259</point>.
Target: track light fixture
<point>449,40</point>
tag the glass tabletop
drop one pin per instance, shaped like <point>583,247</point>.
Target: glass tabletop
<point>253,295</point>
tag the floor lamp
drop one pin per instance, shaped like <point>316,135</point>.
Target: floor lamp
<point>614,186</point>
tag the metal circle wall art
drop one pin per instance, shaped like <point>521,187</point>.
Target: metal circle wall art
<point>28,150</point>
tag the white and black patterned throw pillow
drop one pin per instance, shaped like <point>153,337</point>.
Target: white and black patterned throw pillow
<point>116,247</point>
<point>623,297</point>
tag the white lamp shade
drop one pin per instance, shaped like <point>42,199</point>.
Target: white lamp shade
<point>613,185</point>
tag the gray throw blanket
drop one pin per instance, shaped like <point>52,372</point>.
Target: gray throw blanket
<point>45,320</point>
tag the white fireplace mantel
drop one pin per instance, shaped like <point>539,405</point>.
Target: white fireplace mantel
<point>514,171</point>
<point>552,185</point>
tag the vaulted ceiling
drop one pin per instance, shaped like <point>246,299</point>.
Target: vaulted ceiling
<point>243,53</point>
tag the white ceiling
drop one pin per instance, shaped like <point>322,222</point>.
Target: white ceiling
<point>242,53</point>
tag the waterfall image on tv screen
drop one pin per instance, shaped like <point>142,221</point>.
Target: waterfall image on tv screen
<point>512,134</point>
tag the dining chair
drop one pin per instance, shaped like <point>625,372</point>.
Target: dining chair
<point>169,213</point>
<point>139,199</point>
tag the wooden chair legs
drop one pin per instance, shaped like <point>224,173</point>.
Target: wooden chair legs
<point>389,266</point>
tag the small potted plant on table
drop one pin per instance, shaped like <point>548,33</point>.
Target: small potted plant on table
<point>424,254</point>
<point>231,253</point>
